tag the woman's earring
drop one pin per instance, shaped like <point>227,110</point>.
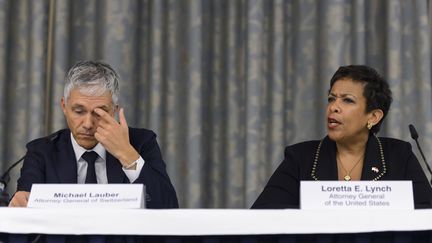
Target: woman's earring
<point>369,126</point>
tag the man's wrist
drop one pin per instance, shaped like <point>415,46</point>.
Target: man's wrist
<point>129,158</point>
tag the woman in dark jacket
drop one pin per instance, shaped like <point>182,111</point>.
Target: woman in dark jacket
<point>358,101</point>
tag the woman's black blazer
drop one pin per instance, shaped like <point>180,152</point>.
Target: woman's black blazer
<point>399,163</point>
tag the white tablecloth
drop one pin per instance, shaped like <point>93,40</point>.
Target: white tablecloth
<point>184,222</point>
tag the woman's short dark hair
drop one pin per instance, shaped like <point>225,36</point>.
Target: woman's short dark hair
<point>376,90</point>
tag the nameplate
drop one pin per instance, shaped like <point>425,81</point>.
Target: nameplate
<point>349,195</point>
<point>87,196</point>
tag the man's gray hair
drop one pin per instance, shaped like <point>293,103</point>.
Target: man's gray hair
<point>92,78</point>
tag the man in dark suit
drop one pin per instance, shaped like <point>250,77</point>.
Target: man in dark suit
<point>96,148</point>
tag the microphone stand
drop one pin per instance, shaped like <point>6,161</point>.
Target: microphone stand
<point>424,159</point>
<point>414,136</point>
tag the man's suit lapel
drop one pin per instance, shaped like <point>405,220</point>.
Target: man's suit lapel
<point>115,172</point>
<point>373,168</point>
<point>64,159</point>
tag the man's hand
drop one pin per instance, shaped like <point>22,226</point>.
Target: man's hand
<point>20,199</point>
<point>114,136</point>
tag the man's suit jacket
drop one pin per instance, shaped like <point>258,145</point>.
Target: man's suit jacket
<point>282,189</point>
<point>52,160</point>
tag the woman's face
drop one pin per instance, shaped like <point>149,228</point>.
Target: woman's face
<point>346,111</point>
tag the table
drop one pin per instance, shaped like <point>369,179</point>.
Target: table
<point>217,225</point>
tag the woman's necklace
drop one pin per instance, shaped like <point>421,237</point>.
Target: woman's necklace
<point>347,177</point>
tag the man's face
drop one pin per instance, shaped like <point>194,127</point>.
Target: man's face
<point>80,115</point>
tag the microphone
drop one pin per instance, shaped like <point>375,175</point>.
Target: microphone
<point>4,179</point>
<point>414,135</point>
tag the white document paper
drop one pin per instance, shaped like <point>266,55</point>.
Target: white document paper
<point>87,196</point>
<point>362,195</point>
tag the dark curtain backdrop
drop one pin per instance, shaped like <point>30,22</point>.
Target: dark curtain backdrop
<point>226,84</point>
